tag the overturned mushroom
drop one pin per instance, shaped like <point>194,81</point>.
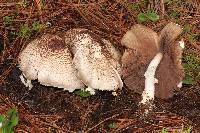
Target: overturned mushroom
<point>49,60</point>
<point>96,60</point>
<point>150,59</point>
<point>83,58</point>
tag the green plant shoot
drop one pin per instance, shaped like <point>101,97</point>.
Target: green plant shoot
<point>9,121</point>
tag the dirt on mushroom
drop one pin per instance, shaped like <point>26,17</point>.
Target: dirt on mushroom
<point>49,109</point>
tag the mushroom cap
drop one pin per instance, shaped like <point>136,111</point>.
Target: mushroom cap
<point>170,71</point>
<point>142,40</point>
<point>141,46</point>
<point>49,60</point>
<point>169,34</point>
<point>134,64</point>
<point>95,59</point>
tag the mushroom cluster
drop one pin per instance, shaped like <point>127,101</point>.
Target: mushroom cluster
<point>83,59</point>
<point>80,59</point>
<point>150,58</point>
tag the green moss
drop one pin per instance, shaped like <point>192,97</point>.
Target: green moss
<point>25,31</point>
<point>112,125</point>
<point>183,130</point>
<point>191,64</point>
<point>83,93</point>
<point>37,26</point>
<point>7,20</point>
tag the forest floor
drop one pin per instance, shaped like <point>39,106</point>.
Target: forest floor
<point>49,109</point>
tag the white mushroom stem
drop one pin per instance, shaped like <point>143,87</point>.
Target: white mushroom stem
<point>26,82</point>
<point>180,84</point>
<point>148,93</point>
<point>91,90</point>
<point>182,44</point>
<point>114,93</point>
<point>1,124</point>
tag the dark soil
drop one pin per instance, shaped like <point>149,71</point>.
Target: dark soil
<point>48,109</point>
<point>59,110</point>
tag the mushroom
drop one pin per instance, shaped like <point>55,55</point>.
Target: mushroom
<point>150,59</point>
<point>170,71</point>
<point>141,46</point>
<point>96,60</point>
<point>82,59</point>
<point>49,60</point>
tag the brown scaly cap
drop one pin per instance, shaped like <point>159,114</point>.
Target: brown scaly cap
<point>169,34</point>
<point>170,71</point>
<point>142,45</point>
<point>141,39</point>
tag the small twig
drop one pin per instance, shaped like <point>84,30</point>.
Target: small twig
<point>162,6</point>
<point>76,5</point>
<point>101,122</point>
<point>10,4</point>
<point>38,4</point>
<point>82,15</point>
<point>195,44</point>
